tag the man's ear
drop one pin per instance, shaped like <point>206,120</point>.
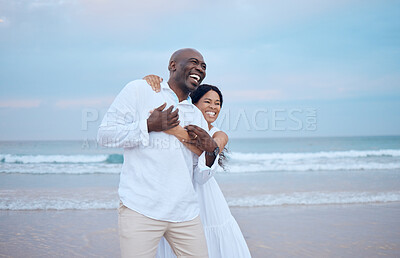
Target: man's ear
<point>172,66</point>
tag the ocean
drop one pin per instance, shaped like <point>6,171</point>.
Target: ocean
<point>80,175</point>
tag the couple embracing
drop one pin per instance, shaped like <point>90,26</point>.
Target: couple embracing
<point>170,203</point>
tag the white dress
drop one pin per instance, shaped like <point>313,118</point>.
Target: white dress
<point>223,235</point>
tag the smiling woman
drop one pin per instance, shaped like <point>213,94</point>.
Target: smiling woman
<point>208,99</point>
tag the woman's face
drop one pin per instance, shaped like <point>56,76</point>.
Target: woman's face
<point>209,105</point>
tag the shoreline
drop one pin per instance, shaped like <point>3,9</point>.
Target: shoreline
<point>363,230</point>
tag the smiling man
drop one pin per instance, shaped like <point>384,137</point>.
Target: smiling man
<point>187,70</point>
<point>156,193</point>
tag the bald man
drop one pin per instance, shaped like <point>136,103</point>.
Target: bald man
<point>156,192</point>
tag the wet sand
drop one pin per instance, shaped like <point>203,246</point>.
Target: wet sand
<point>322,231</point>
<point>292,231</point>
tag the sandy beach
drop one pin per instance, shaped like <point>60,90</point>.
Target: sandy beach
<point>324,200</point>
<point>292,231</point>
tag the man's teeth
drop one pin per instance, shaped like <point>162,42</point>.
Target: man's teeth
<point>210,113</point>
<point>194,76</point>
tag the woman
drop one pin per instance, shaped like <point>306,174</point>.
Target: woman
<point>223,235</point>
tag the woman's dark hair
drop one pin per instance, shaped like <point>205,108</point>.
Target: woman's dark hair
<point>202,90</point>
<point>196,96</point>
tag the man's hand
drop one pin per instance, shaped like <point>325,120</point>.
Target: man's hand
<point>200,138</point>
<point>161,120</point>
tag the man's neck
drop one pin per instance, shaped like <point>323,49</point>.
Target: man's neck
<point>182,95</point>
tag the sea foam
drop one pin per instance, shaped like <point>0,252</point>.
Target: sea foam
<point>26,159</point>
<point>315,198</point>
<point>385,159</point>
<point>90,199</point>
<point>314,155</point>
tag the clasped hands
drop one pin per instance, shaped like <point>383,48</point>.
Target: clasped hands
<point>167,121</point>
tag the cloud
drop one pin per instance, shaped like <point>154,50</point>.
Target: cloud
<point>333,84</point>
<point>85,102</point>
<point>155,17</point>
<point>126,14</point>
<point>248,95</point>
<point>45,3</point>
<point>20,103</point>
<point>4,22</point>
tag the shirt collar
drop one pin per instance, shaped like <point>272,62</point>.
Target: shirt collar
<point>165,86</point>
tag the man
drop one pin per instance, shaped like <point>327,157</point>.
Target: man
<point>156,190</point>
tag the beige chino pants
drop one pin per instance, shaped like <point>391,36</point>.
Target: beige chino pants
<point>139,235</point>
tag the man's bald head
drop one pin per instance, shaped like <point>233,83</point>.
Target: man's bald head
<point>182,53</point>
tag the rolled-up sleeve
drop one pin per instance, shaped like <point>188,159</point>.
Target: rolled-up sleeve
<point>201,172</point>
<point>121,126</point>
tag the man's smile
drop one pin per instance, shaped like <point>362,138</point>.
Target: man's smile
<point>195,77</point>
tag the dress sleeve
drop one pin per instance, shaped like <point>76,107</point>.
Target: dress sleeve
<point>201,172</point>
<point>121,126</point>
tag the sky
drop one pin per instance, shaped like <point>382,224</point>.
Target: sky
<point>286,68</point>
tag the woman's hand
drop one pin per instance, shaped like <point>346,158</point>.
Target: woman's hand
<point>200,138</point>
<point>183,137</point>
<point>178,132</point>
<point>154,81</point>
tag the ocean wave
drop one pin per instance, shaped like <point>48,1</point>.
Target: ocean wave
<point>237,156</point>
<point>28,159</point>
<point>328,166</point>
<point>67,168</point>
<point>313,155</point>
<point>60,199</point>
<point>238,162</point>
<point>316,161</point>
<point>315,198</point>
<point>92,199</point>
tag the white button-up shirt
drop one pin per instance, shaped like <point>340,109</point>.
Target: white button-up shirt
<point>158,170</point>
